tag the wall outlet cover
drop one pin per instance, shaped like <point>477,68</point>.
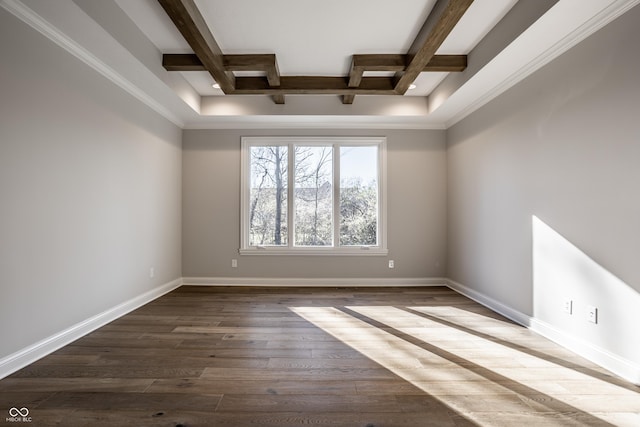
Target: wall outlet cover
<point>568,306</point>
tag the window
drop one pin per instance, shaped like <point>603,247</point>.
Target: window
<point>313,195</point>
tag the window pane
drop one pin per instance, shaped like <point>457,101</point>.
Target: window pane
<point>359,196</point>
<point>268,196</point>
<point>313,196</point>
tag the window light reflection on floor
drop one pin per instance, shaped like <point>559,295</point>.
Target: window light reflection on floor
<point>452,363</point>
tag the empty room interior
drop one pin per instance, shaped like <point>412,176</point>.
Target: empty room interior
<point>353,213</point>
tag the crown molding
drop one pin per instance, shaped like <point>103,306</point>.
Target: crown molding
<point>311,122</point>
<point>38,23</point>
<point>604,17</point>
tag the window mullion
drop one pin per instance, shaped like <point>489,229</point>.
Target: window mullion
<point>245,193</point>
<point>336,195</point>
<point>382,194</point>
<point>290,193</point>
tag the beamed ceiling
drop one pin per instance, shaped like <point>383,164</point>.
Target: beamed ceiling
<point>316,63</point>
<point>420,57</point>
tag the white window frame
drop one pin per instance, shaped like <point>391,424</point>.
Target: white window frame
<point>290,249</point>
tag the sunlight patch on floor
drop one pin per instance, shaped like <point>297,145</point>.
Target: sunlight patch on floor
<point>452,354</point>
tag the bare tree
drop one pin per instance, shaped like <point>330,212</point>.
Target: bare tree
<point>313,194</point>
<point>313,185</point>
<point>269,171</point>
<point>277,232</point>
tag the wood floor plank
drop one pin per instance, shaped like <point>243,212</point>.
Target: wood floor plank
<point>364,357</point>
<point>128,385</point>
<point>261,329</point>
<point>308,403</point>
<point>177,362</point>
<point>29,398</point>
<point>174,418</point>
<point>206,343</point>
<point>253,386</point>
<point>330,374</point>
<point>96,340</point>
<point>76,371</point>
<point>152,402</point>
<point>67,359</point>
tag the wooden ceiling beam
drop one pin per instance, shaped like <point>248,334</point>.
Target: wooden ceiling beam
<point>355,78</point>
<point>397,63</point>
<point>182,62</point>
<point>265,62</point>
<point>304,85</point>
<point>348,99</point>
<point>379,62</point>
<point>188,20</point>
<point>278,98</point>
<point>262,62</point>
<point>442,19</point>
<point>446,64</point>
<point>420,57</point>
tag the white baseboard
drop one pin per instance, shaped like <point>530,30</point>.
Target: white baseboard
<point>306,282</point>
<point>498,307</point>
<point>620,366</point>
<point>18,360</point>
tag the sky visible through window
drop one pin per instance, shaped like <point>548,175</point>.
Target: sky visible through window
<point>359,162</point>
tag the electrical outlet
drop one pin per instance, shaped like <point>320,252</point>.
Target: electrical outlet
<point>391,264</point>
<point>234,263</point>
<point>152,272</point>
<point>568,306</point>
<point>592,314</point>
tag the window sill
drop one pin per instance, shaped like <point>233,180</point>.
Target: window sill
<point>354,251</point>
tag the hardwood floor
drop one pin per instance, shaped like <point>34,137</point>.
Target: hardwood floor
<point>204,356</point>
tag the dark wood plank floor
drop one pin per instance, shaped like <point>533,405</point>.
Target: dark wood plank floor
<point>205,356</point>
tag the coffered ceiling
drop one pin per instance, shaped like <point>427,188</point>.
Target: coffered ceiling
<point>326,38</point>
<point>316,63</point>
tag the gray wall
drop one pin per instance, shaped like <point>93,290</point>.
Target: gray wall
<point>90,183</point>
<point>416,210</point>
<point>563,146</point>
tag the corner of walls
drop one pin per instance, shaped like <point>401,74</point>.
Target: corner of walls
<point>491,303</point>
<point>21,358</point>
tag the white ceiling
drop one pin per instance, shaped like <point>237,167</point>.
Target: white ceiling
<point>506,40</point>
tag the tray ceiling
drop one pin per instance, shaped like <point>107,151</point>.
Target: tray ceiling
<point>503,41</point>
